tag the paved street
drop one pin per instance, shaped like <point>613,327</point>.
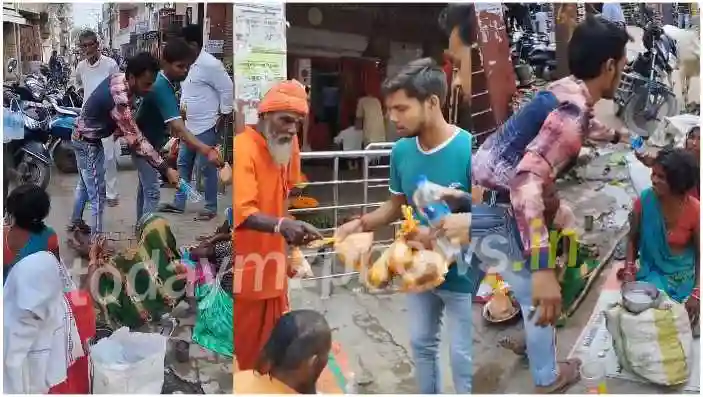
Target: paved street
<point>210,371</point>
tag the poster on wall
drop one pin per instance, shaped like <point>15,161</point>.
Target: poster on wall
<point>260,27</point>
<point>259,52</point>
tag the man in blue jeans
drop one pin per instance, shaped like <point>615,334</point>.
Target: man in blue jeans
<point>159,112</point>
<point>207,97</point>
<point>442,152</point>
<point>108,110</point>
<point>523,177</point>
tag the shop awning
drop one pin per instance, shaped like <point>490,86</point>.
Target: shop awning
<point>13,16</point>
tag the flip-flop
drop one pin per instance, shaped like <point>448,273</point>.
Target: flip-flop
<point>78,227</point>
<point>169,208</point>
<point>205,216</point>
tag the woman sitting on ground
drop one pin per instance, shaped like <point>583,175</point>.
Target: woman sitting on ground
<point>26,233</point>
<point>293,358</point>
<point>664,230</point>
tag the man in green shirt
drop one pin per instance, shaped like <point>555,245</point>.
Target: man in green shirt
<point>441,152</point>
<point>157,114</point>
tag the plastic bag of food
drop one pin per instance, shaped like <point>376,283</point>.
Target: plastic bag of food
<point>379,275</point>
<point>501,306</point>
<point>225,174</point>
<point>400,257</point>
<point>355,250</point>
<point>426,272</point>
<point>298,264</point>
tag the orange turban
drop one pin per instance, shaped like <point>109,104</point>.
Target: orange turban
<point>286,96</point>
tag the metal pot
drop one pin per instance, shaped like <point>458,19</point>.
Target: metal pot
<point>524,74</point>
<point>638,296</point>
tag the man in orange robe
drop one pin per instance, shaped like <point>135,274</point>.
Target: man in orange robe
<point>266,168</point>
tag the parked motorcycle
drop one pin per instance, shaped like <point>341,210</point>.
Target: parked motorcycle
<point>535,50</point>
<point>543,60</point>
<point>27,159</point>
<point>645,95</point>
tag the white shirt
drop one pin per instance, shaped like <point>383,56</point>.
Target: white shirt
<point>90,76</point>
<point>370,111</point>
<point>206,92</point>
<point>350,139</point>
<point>541,22</point>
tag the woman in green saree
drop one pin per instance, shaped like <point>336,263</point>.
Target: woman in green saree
<point>142,284</point>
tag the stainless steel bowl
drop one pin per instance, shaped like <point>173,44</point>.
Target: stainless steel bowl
<point>638,296</point>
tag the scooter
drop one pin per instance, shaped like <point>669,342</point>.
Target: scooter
<point>29,159</point>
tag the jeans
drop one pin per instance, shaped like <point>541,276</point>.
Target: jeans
<point>426,311</point>
<point>112,151</point>
<point>496,243</point>
<point>684,20</point>
<point>186,160</point>
<point>90,159</point>
<point>148,189</point>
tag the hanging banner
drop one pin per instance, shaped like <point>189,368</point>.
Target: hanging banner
<point>259,52</point>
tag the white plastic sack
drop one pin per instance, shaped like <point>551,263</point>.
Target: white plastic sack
<point>675,131</point>
<point>655,344</point>
<point>129,363</point>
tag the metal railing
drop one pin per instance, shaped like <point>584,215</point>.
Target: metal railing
<point>370,157</point>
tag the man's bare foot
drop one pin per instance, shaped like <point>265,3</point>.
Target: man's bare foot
<point>569,375</point>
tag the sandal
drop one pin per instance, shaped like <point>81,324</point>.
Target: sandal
<point>569,375</point>
<point>79,226</point>
<point>169,208</point>
<point>205,216</point>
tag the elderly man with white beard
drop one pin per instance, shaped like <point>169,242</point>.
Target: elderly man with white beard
<point>266,168</point>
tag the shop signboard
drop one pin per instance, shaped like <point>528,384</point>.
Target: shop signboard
<point>259,52</point>
<point>215,46</point>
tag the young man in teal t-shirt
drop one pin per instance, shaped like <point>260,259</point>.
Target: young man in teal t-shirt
<point>442,152</point>
<point>157,114</point>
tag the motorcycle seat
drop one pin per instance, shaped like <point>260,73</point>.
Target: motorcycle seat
<point>67,111</point>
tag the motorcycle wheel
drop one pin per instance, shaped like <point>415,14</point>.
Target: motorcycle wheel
<point>65,158</point>
<point>633,113</point>
<point>33,171</point>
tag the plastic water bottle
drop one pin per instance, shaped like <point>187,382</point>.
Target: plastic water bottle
<point>191,193</point>
<point>428,199</point>
<point>636,143</point>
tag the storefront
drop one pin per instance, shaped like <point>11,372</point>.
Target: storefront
<point>344,52</point>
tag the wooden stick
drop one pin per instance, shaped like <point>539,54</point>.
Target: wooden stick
<point>604,260</point>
